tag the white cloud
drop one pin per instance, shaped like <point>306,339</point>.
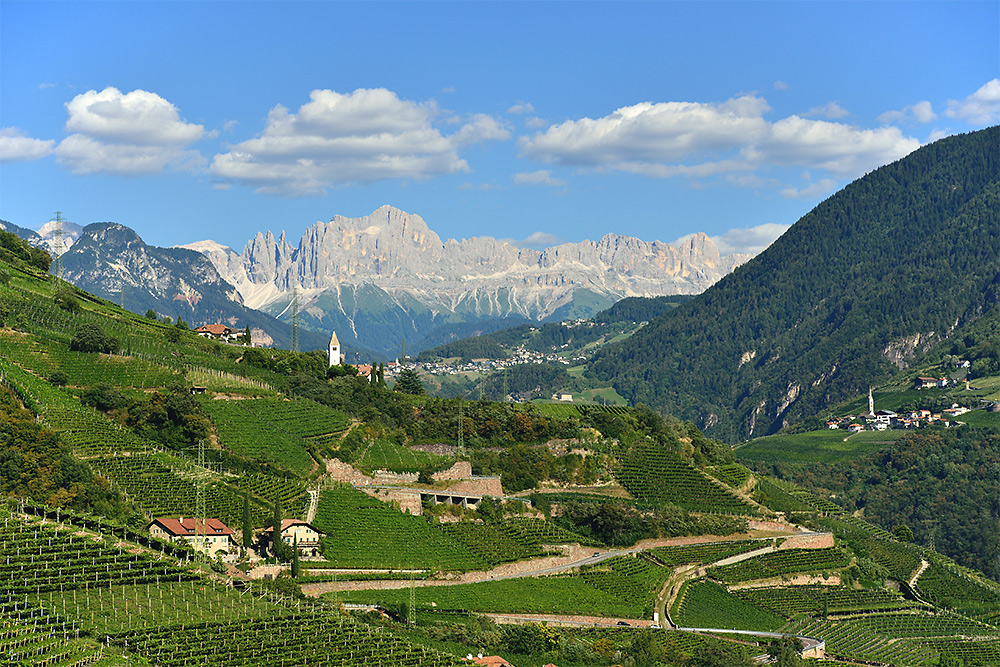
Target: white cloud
<point>133,133</point>
<point>16,147</point>
<point>780,85</point>
<point>843,150</point>
<point>830,111</point>
<point>540,177</point>
<point>980,108</point>
<point>647,132</point>
<point>481,187</point>
<point>536,123</point>
<point>924,112</point>
<point>521,108</point>
<point>751,240</point>
<point>921,112</point>
<point>537,240</point>
<point>699,140</point>
<point>810,190</point>
<point>360,137</point>
<point>480,127</point>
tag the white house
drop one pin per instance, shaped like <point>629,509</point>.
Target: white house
<point>217,332</point>
<point>210,536</point>
<point>296,531</point>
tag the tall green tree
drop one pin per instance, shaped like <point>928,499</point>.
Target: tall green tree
<point>277,544</point>
<point>408,382</point>
<point>295,558</point>
<point>247,524</point>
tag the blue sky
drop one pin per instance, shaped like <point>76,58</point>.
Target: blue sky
<point>533,121</point>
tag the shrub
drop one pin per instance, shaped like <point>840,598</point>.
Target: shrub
<point>91,338</point>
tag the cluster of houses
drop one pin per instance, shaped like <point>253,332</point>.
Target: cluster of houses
<point>519,355</point>
<point>215,539</point>
<point>881,420</point>
<point>220,332</point>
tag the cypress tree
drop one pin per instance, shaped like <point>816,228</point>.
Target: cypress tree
<point>295,558</point>
<point>277,545</point>
<point>247,525</point>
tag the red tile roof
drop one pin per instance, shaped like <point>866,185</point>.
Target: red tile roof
<point>214,329</point>
<point>189,526</point>
<point>288,523</point>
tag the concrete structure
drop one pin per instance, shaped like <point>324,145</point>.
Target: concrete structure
<point>210,537</point>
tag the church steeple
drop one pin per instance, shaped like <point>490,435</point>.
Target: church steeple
<point>871,402</point>
<point>335,356</point>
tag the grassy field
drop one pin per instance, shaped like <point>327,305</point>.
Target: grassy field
<point>604,395</point>
<point>555,595</point>
<point>824,446</point>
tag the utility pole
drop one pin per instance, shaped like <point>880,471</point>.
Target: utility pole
<point>295,319</point>
<point>200,529</point>
<point>58,247</point>
<point>412,611</point>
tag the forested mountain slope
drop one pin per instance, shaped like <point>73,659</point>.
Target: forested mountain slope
<point>858,288</point>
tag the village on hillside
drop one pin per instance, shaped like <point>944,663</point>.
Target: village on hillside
<point>881,420</point>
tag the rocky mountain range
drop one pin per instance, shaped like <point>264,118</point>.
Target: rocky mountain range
<point>382,282</point>
<point>387,276</point>
<point>112,261</point>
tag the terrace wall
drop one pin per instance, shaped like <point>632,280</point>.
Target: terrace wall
<point>408,499</point>
<point>808,541</point>
<point>461,470</point>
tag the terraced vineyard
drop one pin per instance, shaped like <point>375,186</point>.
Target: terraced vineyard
<point>655,474</point>
<point>490,543</point>
<point>700,554</point>
<point>706,604</point>
<point>776,498</point>
<point>363,532</point>
<point>848,640</point>
<point>782,563</point>
<point>563,594</point>
<point>385,455</point>
<point>245,433</point>
<point>537,532</point>
<point>732,474</point>
<point>817,600</point>
<point>37,558</point>
<point>309,420</point>
<point>632,579</point>
<point>164,485</point>
<point>317,638</point>
<point>948,588</point>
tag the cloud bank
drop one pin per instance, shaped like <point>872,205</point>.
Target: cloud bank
<point>128,134</point>
<point>16,147</point>
<point>361,137</point>
<point>700,139</point>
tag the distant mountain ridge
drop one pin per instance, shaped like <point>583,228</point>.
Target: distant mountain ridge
<point>107,258</point>
<point>859,288</point>
<point>387,276</point>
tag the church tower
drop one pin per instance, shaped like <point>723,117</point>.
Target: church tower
<point>335,357</point>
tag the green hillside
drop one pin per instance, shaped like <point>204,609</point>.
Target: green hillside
<point>108,419</point>
<point>872,277</point>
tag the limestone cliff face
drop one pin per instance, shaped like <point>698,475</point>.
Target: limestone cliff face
<point>399,254</point>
